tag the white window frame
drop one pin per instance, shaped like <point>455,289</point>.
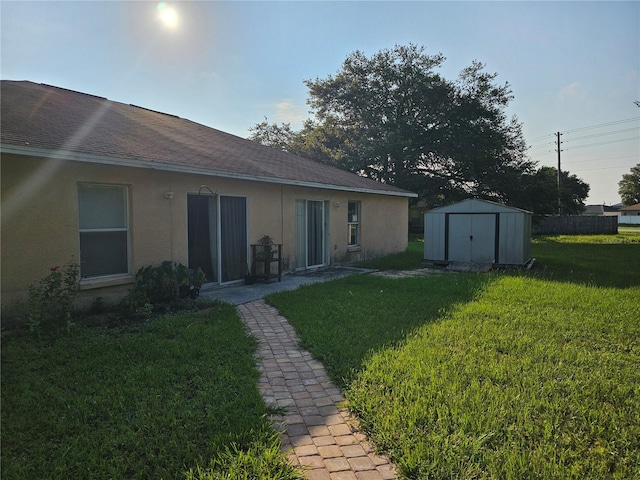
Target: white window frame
<point>351,223</point>
<point>125,229</point>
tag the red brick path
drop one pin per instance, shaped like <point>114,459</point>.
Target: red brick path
<point>317,430</point>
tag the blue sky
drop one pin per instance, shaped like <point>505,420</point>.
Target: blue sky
<point>571,65</point>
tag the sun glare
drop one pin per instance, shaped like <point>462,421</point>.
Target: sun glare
<point>168,16</point>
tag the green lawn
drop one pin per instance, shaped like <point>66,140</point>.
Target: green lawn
<point>504,375</point>
<point>410,259</point>
<point>605,260</point>
<point>176,397</point>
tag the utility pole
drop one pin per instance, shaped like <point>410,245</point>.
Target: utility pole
<point>559,150</point>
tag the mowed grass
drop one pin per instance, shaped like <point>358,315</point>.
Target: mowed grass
<point>408,260</point>
<point>176,397</point>
<point>502,375</point>
<point>605,260</point>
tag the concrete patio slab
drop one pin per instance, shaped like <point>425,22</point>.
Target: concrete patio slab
<point>238,294</point>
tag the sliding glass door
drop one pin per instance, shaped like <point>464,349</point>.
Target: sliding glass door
<point>311,233</point>
<point>217,236</point>
<point>233,238</point>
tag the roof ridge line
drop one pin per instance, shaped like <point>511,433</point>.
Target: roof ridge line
<point>155,111</point>
<point>74,91</point>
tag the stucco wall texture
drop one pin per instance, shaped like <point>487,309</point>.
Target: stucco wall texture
<point>40,220</point>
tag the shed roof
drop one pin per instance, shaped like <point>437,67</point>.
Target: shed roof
<point>51,122</point>
<point>474,205</point>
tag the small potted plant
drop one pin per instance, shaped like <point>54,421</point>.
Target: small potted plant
<point>267,247</point>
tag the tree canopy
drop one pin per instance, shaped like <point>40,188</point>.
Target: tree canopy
<point>393,117</point>
<point>629,186</point>
<point>539,193</point>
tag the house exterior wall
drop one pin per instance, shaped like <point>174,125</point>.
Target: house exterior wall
<point>40,219</point>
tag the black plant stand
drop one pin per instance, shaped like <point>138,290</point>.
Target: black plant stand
<point>266,255</point>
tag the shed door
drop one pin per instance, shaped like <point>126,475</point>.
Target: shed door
<point>472,237</point>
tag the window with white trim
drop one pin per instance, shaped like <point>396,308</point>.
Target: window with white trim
<point>103,222</point>
<point>353,223</point>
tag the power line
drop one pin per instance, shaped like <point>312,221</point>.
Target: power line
<point>591,127</point>
<point>604,134</point>
<point>602,168</point>
<point>542,137</point>
<point>541,147</point>
<point>608,124</point>
<point>602,158</point>
<point>542,154</point>
<point>603,143</point>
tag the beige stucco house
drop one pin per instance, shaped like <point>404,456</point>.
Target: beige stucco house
<point>114,187</point>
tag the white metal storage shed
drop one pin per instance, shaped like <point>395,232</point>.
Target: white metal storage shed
<point>477,231</point>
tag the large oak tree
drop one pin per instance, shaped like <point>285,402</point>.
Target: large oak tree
<point>394,118</point>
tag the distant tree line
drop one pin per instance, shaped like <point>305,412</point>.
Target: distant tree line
<point>629,186</point>
<point>393,118</point>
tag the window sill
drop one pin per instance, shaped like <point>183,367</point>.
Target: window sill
<point>110,281</point>
<point>354,248</point>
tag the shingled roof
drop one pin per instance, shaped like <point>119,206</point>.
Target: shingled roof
<point>46,121</point>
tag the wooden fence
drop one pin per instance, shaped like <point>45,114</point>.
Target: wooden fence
<point>576,225</point>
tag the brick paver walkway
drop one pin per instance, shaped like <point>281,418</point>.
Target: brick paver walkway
<point>317,430</point>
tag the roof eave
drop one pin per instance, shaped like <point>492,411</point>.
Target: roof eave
<point>134,163</point>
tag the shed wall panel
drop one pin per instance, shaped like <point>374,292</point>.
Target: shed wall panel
<point>515,238</point>
<point>510,238</point>
<point>434,237</point>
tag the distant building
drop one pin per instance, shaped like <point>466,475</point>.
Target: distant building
<point>602,210</point>
<point>632,210</point>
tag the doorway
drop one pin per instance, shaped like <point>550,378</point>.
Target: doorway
<point>217,236</point>
<point>311,233</point>
<point>472,237</point>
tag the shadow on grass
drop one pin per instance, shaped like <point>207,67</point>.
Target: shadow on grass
<point>344,321</point>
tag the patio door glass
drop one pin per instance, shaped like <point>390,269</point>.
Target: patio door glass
<point>233,238</point>
<point>311,233</point>
<point>217,236</point>
<point>202,217</point>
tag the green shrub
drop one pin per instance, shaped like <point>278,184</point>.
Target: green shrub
<point>167,283</point>
<point>52,299</point>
